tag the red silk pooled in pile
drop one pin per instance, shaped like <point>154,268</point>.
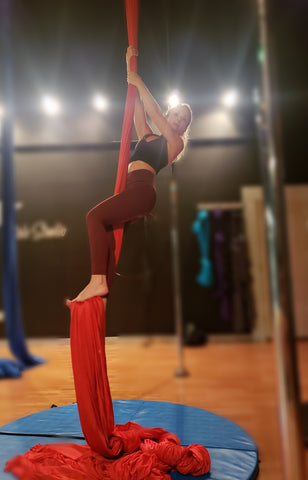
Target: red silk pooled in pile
<point>113,452</point>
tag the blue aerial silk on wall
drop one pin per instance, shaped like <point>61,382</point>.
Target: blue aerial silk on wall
<point>10,281</point>
<point>201,228</point>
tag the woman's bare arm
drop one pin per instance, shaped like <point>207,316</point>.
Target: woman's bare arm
<point>175,142</point>
<point>141,125</point>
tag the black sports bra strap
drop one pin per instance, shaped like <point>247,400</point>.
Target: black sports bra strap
<point>150,135</point>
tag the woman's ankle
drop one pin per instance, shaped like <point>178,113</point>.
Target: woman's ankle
<point>98,279</point>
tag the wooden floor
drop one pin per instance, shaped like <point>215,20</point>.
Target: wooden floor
<point>235,380</point>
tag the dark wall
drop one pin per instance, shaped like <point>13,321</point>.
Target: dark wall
<point>60,188</point>
<point>57,188</point>
<point>213,174</point>
<point>288,37</point>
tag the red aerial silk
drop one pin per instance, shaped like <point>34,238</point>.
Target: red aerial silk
<point>113,452</point>
<point>132,30</point>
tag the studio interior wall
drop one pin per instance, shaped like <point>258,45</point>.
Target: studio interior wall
<point>54,191</point>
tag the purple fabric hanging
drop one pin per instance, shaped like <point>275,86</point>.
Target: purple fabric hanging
<point>223,289</point>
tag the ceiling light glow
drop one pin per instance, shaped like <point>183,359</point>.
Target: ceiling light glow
<point>99,102</point>
<point>230,98</point>
<point>173,100</point>
<point>50,105</point>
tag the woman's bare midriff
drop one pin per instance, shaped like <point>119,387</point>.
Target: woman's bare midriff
<point>140,165</point>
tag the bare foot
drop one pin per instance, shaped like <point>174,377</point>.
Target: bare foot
<point>97,287</point>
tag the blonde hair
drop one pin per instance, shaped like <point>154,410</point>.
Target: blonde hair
<point>185,135</point>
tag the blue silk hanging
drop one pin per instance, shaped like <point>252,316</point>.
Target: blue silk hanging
<point>10,282</point>
<point>201,228</point>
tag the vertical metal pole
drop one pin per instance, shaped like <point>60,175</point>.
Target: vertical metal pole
<point>284,338</point>
<point>180,371</point>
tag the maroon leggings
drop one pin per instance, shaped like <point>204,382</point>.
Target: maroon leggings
<point>137,200</point>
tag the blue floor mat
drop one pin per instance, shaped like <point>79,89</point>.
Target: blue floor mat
<point>234,455</point>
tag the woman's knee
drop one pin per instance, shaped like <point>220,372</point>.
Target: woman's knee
<point>91,217</point>
<point>96,216</point>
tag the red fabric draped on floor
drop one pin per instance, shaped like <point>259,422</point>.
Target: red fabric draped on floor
<point>113,452</point>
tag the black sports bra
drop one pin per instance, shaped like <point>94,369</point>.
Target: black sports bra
<point>154,152</point>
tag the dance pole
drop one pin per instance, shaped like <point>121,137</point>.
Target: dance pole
<point>180,370</point>
<point>283,317</point>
